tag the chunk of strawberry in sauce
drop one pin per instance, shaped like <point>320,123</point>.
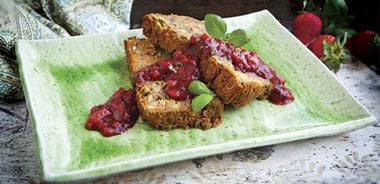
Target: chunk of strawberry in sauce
<point>177,72</point>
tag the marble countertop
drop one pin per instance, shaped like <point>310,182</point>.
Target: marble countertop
<point>349,157</point>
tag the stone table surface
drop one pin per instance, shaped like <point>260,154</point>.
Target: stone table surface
<point>352,157</point>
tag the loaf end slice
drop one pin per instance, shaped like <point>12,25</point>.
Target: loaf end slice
<point>171,32</point>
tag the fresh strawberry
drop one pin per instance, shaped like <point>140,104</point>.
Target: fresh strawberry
<point>364,46</point>
<point>316,46</point>
<point>307,26</point>
<point>330,50</point>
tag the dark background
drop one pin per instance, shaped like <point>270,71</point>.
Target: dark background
<point>366,12</point>
<point>199,8</point>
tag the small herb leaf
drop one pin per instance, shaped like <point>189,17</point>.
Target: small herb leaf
<point>199,102</point>
<point>215,26</point>
<point>161,21</point>
<point>239,37</point>
<point>197,88</point>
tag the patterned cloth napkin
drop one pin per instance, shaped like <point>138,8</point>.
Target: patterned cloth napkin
<point>48,19</point>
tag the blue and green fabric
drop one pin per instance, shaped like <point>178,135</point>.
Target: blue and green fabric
<point>48,19</point>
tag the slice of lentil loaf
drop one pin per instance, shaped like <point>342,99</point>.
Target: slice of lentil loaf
<point>155,106</point>
<point>231,86</point>
<point>162,112</point>
<point>142,53</point>
<point>173,32</point>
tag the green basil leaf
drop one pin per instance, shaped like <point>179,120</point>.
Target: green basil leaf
<point>198,87</point>
<point>215,26</point>
<point>199,102</point>
<point>239,37</point>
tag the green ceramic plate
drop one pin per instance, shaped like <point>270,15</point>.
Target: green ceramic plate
<point>64,78</point>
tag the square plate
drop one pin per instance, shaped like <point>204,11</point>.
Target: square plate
<point>64,78</point>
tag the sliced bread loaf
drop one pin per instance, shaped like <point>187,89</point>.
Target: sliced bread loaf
<point>172,32</point>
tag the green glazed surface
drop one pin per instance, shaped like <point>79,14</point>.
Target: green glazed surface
<point>64,78</point>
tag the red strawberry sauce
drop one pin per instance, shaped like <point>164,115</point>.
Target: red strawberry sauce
<point>120,112</point>
<point>177,72</point>
<point>245,61</point>
<point>115,116</point>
